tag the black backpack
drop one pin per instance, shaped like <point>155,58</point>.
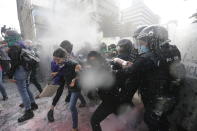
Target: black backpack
<point>29,59</point>
<point>169,52</point>
<point>170,59</point>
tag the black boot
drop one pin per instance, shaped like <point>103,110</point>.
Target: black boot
<point>28,115</point>
<point>50,116</point>
<point>5,98</point>
<point>67,100</point>
<point>21,105</point>
<point>34,106</point>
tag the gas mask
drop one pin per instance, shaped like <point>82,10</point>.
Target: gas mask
<point>143,49</point>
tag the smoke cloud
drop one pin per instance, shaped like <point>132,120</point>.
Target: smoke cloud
<point>71,20</point>
<point>92,79</point>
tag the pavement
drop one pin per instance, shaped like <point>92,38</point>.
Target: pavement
<point>10,111</point>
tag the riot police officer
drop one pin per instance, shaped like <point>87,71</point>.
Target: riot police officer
<point>154,73</point>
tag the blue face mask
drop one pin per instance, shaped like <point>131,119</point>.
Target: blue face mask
<point>143,49</point>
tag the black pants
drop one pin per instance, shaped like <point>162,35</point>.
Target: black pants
<point>68,97</point>
<point>58,94</point>
<point>103,110</point>
<point>33,80</point>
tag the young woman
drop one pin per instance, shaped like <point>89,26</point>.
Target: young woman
<point>20,75</point>
<point>70,70</point>
<point>57,75</point>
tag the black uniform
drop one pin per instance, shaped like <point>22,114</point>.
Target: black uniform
<point>151,74</point>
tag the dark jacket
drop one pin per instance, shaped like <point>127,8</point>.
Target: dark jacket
<point>14,54</point>
<point>151,74</point>
<point>69,74</point>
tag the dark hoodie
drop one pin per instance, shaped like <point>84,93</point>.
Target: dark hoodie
<point>14,54</point>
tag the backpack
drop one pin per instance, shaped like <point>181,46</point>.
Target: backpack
<point>29,59</point>
<point>170,58</point>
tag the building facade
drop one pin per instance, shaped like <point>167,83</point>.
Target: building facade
<point>25,19</point>
<point>31,16</point>
<point>107,13</point>
<point>33,23</point>
<point>136,15</point>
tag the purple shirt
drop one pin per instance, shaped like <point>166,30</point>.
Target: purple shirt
<point>21,44</point>
<point>57,80</point>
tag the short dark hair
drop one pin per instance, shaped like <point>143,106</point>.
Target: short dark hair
<point>59,53</point>
<point>95,54</point>
<point>126,44</point>
<point>67,46</point>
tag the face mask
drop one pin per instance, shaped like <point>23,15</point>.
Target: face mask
<point>62,63</point>
<point>143,49</point>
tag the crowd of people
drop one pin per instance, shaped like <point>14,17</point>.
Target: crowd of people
<point>149,65</point>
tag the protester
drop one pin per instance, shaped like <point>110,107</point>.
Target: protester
<point>70,70</point>
<point>57,75</point>
<point>68,47</point>
<point>112,51</point>
<point>19,74</point>
<point>33,74</point>
<point>112,97</point>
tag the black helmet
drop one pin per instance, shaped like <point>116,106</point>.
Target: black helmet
<point>126,45</point>
<point>154,35</point>
<point>138,30</point>
<point>112,47</point>
<point>67,46</point>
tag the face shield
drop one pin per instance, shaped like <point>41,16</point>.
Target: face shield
<point>135,42</point>
<point>142,46</point>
